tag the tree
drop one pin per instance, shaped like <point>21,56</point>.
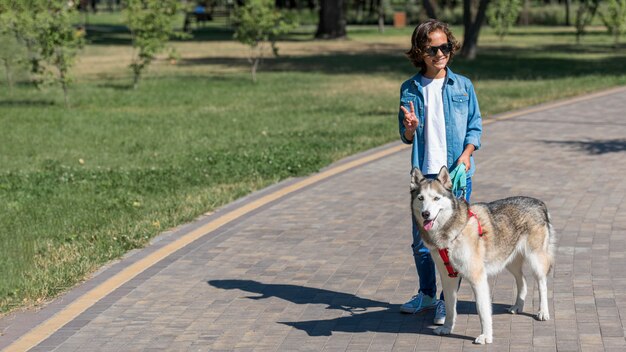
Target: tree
<point>58,40</point>
<point>18,21</point>
<point>614,18</point>
<point>502,14</point>
<point>45,29</point>
<point>332,22</point>
<point>568,11</point>
<point>151,23</point>
<point>258,22</point>
<point>472,24</point>
<point>11,53</point>
<point>381,15</point>
<point>584,15</point>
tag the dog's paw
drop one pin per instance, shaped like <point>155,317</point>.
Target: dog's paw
<point>515,309</point>
<point>483,339</point>
<point>443,330</point>
<point>543,316</point>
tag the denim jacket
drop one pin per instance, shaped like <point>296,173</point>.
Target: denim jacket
<point>461,114</point>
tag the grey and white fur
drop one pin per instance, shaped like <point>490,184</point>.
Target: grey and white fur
<point>517,230</point>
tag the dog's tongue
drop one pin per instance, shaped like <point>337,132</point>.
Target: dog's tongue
<point>428,224</point>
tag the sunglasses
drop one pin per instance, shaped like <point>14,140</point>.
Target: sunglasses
<point>445,49</point>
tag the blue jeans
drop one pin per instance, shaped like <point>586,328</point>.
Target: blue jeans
<point>423,261</point>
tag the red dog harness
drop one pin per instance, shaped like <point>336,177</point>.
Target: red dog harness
<point>444,252</point>
<point>446,261</point>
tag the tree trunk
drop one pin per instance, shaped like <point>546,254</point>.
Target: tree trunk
<point>568,5</point>
<point>524,17</point>
<point>136,77</point>
<point>472,26</point>
<point>332,23</point>
<point>255,58</point>
<point>64,86</point>
<point>7,70</point>
<point>371,7</point>
<point>381,16</point>
<point>429,6</point>
<point>360,8</point>
<point>255,65</point>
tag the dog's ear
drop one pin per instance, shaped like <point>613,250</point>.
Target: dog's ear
<point>444,178</point>
<point>416,178</point>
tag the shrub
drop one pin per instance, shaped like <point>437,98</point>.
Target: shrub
<point>258,22</point>
<point>46,30</point>
<point>614,18</point>
<point>545,15</point>
<point>502,14</point>
<point>151,23</point>
<point>58,40</point>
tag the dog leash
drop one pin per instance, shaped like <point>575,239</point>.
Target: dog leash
<point>459,179</point>
<point>459,183</point>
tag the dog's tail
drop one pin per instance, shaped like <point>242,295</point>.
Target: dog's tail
<point>550,240</point>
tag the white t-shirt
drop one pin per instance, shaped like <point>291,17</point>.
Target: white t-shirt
<point>435,153</point>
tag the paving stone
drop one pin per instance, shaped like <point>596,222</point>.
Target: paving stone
<point>327,267</point>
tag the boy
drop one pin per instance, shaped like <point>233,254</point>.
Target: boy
<point>439,116</point>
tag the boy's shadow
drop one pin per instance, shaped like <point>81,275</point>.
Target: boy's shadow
<point>360,314</point>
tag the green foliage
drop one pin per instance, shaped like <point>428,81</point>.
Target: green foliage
<point>258,22</point>
<point>543,15</point>
<point>614,18</point>
<point>451,15</point>
<point>502,14</point>
<point>151,23</point>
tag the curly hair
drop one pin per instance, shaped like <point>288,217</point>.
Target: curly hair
<point>420,41</point>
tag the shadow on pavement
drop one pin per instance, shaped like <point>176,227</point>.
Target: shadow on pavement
<point>364,314</point>
<point>301,295</point>
<point>596,147</point>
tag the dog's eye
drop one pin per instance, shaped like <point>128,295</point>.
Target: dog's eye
<point>420,197</point>
<point>436,198</point>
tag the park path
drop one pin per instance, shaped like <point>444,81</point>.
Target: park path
<point>327,266</point>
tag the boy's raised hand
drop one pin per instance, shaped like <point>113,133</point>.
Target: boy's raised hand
<point>410,120</point>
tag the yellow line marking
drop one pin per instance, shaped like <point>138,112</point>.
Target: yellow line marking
<point>48,327</point>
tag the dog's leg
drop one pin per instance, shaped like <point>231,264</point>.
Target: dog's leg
<point>544,313</point>
<point>515,267</point>
<point>450,286</point>
<point>540,263</point>
<point>483,306</point>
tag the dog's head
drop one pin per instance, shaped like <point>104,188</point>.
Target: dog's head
<point>432,201</point>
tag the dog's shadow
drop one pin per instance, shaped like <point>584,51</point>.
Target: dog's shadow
<point>360,314</point>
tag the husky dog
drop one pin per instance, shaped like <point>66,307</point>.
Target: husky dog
<point>514,230</point>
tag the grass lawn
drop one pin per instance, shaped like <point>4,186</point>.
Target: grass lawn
<point>82,186</point>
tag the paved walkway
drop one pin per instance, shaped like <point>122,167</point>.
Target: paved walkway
<point>326,267</point>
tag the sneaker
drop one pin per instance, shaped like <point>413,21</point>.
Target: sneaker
<point>440,313</point>
<point>418,303</point>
